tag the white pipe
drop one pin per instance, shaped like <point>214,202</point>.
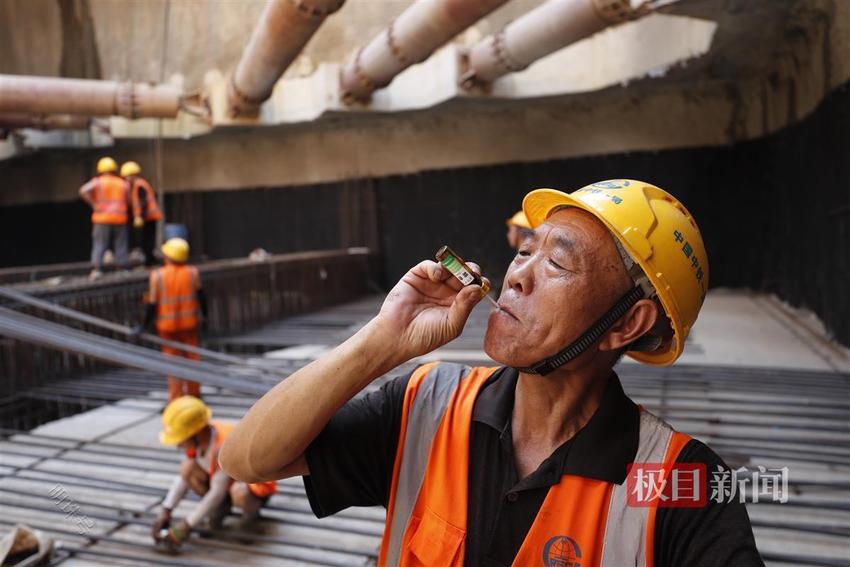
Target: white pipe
<point>544,30</point>
<point>51,95</point>
<point>410,39</point>
<point>283,30</point>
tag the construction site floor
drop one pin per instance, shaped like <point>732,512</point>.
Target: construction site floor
<point>758,382</point>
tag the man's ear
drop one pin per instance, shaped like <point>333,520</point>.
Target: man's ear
<point>631,326</point>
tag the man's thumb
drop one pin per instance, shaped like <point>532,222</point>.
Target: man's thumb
<point>464,302</point>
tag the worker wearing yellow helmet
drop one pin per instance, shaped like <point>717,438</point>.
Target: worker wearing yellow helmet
<point>542,459</point>
<point>176,303</point>
<point>145,209</point>
<point>518,228</point>
<point>107,195</point>
<point>661,248</point>
<point>187,424</point>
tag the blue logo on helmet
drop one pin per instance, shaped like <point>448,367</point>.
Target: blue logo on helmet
<point>619,184</point>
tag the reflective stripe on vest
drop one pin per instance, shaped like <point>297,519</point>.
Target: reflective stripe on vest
<point>109,200</point>
<point>177,298</point>
<point>630,533</point>
<point>423,421</point>
<point>222,431</point>
<point>427,509</point>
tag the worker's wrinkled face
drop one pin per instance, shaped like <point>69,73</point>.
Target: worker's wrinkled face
<point>566,274</point>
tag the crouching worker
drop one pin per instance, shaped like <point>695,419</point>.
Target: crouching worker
<point>187,424</point>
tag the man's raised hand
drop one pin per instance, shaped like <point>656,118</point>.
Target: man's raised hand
<point>427,308</point>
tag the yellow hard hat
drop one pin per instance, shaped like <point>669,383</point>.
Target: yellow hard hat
<point>176,250</point>
<point>182,418</point>
<point>519,219</point>
<point>660,235</point>
<point>106,165</point>
<point>130,168</point>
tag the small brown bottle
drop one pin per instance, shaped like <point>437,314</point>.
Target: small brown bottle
<point>460,269</point>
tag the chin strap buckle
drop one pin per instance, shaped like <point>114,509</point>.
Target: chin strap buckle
<point>644,284</point>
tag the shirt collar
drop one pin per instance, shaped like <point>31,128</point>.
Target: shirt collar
<point>601,450</point>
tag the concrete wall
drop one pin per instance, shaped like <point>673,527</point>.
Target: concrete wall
<point>775,212</point>
<point>381,145</point>
<point>771,198</point>
<point>653,114</point>
<point>31,42</point>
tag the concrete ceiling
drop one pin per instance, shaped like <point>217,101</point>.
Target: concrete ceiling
<point>670,81</point>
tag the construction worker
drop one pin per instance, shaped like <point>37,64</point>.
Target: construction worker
<point>145,207</point>
<point>187,424</point>
<point>107,195</point>
<point>176,302</point>
<point>540,461</point>
<point>518,228</point>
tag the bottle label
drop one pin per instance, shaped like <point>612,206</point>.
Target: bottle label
<point>458,270</point>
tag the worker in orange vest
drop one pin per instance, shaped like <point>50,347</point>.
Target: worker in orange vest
<point>107,195</point>
<point>146,212</point>
<point>187,424</point>
<point>543,460</point>
<point>176,302</point>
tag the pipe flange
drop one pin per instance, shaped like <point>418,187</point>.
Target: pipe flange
<point>366,83</point>
<point>499,46</point>
<point>126,101</point>
<point>395,49</point>
<point>363,84</point>
<point>239,103</point>
<point>619,11</point>
<point>316,12</point>
<point>365,80</point>
<point>135,103</point>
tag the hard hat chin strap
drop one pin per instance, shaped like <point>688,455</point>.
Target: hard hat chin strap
<point>590,336</point>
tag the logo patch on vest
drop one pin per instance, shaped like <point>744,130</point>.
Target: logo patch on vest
<point>561,551</point>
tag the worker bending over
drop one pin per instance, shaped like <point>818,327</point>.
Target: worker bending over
<point>177,303</point>
<point>527,463</point>
<point>107,195</point>
<point>187,424</point>
<point>146,211</point>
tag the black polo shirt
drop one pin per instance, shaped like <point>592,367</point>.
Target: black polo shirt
<point>351,464</point>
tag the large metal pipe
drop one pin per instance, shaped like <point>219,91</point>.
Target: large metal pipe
<point>410,39</point>
<point>284,29</point>
<point>51,95</point>
<point>544,30</point>
<point>15,120</point>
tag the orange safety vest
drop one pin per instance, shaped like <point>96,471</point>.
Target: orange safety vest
<point>152,212</point>
<point>109,199</point>
<point>177,298</point>
<point>222,430</point>
<point>581,521</point>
